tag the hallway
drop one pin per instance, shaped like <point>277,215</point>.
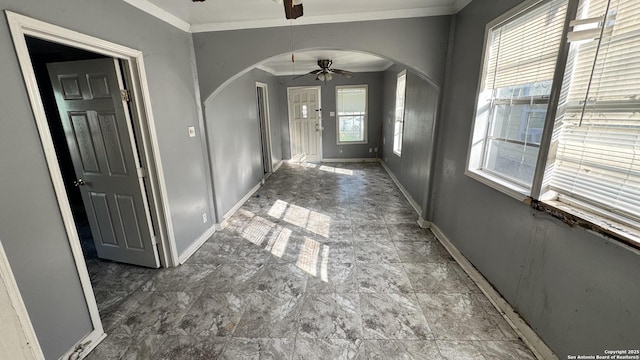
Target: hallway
<point>323,262</point>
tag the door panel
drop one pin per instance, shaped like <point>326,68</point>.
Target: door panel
<point>306,123</point>
<point>102,149</point>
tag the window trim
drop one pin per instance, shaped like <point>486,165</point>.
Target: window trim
<point>619,230</point>
<point>404,108</point>
<point>514,190</point>
<point>366,116</point>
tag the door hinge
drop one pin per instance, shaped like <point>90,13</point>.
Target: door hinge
<point>125,95</point>
<point>142,173</point>
<point>154,240</point>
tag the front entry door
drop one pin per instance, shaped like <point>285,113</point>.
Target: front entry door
<point>305,123</point>
<point>100,137</point>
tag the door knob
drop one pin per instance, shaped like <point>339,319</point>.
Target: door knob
<point>79,182</point>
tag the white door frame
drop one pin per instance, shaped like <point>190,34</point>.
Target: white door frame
<point>21,26</point>
<point>319,88</point>
<point>16,333</point>
<point>267,120</point>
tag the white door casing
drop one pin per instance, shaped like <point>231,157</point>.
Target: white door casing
<point>305,123</point>
<point>265,127</point>
<point>102,145</point>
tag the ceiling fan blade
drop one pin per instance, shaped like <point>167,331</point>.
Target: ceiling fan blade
<point>292,11</point>
<point>309,73</point>
<point>345,73</point>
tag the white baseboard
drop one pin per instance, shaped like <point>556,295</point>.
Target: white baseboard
<point>196,245</point>
<point>404,191</point>
<point>424,223</point>
<point>519,325</point>
<point>349,160</point>
<point>221,225</point>
<point>239,204</point>
<point>278,165</point>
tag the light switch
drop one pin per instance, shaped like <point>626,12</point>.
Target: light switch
<point>332,114</point>
<point>192,131</point>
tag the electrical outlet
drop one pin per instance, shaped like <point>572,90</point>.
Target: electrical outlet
<point>370,150</point>
<point>340,149</point>
<point>204,217</point>
<point>192,131</point>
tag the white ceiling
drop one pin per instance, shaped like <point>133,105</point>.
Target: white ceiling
<point>216,15</point>
<point>308,61</point>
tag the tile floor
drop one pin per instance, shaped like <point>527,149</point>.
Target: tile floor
<point>324,262</point>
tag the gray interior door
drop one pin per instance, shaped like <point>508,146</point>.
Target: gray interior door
<point>100,138</point>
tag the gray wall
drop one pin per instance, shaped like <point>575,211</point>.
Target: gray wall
<point>30,222</point>
<point>413,167</point>
<point>577,290</point>
<point>330,147</point>
<point>420,43</point>
<point>233,132</point>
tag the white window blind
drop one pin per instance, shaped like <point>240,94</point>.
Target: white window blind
<point>519,68</point>
<point>401,85</point>
<point>524,50</point>
<point>351,105</point>
<point>597,130</point>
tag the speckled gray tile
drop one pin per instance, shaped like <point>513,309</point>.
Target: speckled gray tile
<point>280,278</point>
<point>111,348</point>
<point>282,281</point>
<point>408,232</point>
<point>484,350</point>
<point>144,348</point>
<point>190,348</point>
<point>269,316</point>
<point>338,277</point>
<point>393,316</point>
<point>258,349</point>
<point>233,277</point>
<point>400,216</point>
<point>158,314</point>
<point>458,317</point>
<point>376,252</point>
<point>329,349</point>
<point>421,251</point>
<point>370,232</point>
<point>402,350</point>
<point>124,308</point>
<point>183,278</point>
<point>215,252</point>
<point>330,315</point>
<point>435,278</point>
<point>382,278</point>
<point>213,314</point>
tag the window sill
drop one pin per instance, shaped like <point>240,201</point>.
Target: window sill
<point>352,143</point>
<point>517,192</point>
<point>590,221</point>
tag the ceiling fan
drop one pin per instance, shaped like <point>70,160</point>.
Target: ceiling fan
<point>326,72</point>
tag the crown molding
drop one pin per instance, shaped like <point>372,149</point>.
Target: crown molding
<point>160,13</point>
<point>326,19</point>
<point>183,25</point>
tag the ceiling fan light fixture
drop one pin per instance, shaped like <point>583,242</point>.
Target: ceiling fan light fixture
<point>328,77</point>
<point>321,77</point>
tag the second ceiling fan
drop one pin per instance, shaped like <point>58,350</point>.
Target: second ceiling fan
<point>326,72</point>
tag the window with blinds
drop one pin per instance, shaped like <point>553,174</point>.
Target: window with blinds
<point>398,128</point>
<point>519,66</point>
<point>351,105</point>
<point>595,162</point>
